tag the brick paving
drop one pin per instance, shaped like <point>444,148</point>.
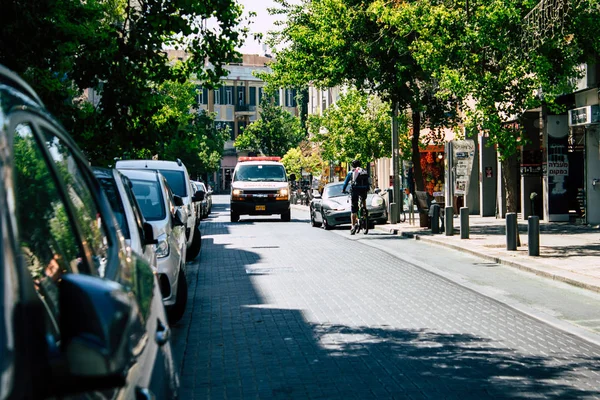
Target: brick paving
<point>286,311</point>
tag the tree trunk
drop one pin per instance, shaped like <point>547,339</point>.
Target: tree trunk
<point>510,181</point>
<point>416,154</point>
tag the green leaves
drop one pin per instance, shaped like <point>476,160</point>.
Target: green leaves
<point>273,134</point>
<point>63,47</point>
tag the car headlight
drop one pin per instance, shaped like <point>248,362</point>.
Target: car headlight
<point>162,247</point>
<point>376,201</point>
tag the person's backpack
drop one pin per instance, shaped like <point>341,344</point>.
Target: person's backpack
<point>362,179</point>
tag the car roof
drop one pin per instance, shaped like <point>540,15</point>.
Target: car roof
<point>150,164</point>
<point>140,174</point>
<point>9,78</point>
<point>259,163</point>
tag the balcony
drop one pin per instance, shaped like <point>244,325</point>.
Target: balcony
<point>245,109</point>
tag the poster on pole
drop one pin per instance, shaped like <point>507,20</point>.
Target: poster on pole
<point>463,152</point>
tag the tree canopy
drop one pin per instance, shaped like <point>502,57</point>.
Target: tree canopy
<point>117,47</point>
<point>273,134</point>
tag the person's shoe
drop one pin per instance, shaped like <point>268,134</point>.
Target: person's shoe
<point>353,230</point>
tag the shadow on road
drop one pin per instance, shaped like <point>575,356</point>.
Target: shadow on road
<point>233,344</point>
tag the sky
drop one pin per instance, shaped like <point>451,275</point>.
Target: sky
<point>263,22</point>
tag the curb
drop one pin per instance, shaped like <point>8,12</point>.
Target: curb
<point>499,260</point>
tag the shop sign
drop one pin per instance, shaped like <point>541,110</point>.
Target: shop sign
<point>584,115</point>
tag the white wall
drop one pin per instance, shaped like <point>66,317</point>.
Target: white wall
<point>592,151</point>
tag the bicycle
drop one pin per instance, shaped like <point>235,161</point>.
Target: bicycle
<point>363,216</point>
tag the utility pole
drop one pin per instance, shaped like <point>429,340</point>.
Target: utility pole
<point>394,207</point>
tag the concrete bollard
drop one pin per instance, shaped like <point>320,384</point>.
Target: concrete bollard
<point>449,221</point>
<point>533,235</point>
<point>464,222</point>
<point>511,231</point>
<point>435,218</point>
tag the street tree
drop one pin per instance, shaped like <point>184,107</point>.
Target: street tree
<point>504,62</point>
<point>330,43</point>
<point>274,133</point>
<point>116,47</point>
<point>305,157</point>
<point>357,126</point>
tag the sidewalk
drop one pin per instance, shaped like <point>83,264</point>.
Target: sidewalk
<point>568,253</point>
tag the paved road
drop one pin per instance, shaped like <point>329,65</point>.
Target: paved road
<point>283,310</point>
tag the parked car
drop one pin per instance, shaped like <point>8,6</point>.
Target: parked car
<point>206,204</point>
<point>333,207</point>
<point>179,180</point>
<point>80,313</point>
<point>138,233</point>
<point>160,207</point>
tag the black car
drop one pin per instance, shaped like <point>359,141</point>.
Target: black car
<point>79,313</point>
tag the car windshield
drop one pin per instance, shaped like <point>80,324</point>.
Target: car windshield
<point>253,172</point>
<point>116,204</point>
<point>334,191</point>
<point>176,181</point>
<point>150,199</point>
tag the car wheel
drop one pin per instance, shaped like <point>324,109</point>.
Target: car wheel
<point>286,216</point>
<point>313,223</point>
<point>194,249</point>
<point>326,225</point>
<point>235,217</point>
<point>175,312</point>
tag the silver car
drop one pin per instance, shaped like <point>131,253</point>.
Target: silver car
<point>332,208</point>
<point>179,180</point>
<point>161,208</point>
<point>138,233</point>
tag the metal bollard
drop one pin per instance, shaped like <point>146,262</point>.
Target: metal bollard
<point>533,235</point>
<point>464,222</point>
<point>449,220</point>
<point>511,231</point>
<point>393,213</point>
<point>435,218</point>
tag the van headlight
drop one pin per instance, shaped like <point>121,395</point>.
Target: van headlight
<point>162,247</point>
<point>237,192</point>
<point>282,194</point>
<point>376,201</point>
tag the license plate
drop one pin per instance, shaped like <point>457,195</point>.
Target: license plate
<point>260,208</point>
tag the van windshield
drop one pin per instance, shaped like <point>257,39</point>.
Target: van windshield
<point>250,173</point>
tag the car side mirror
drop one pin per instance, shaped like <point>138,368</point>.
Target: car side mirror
<point>293,177</point>
<point>178,218</point>
<point>177,200</point>
<point>198,196</point>
<point>148,234</point>
<point>97,317</point>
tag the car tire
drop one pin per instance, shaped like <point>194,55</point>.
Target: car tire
<point>194,249</point>
<point>176,311</point>
<point>326,225</point>
<point>314,223</point>
<point>235,217</point>
<point>286,216</point>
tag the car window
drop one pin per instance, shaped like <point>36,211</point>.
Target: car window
<point>137,212</point>
<point>116,204</point>
<point>150,199</point>
<point>88,216</point>
<point>48,241</point>
<point>254,172</point>
<point>176,181</point>
<point>334,191</point>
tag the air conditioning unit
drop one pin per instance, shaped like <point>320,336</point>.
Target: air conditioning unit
<point>584,115</point>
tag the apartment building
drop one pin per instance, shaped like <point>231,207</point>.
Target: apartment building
<point>237,104</point>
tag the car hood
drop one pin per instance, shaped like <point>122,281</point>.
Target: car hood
<point>338,202</point>
<point>258,185</point>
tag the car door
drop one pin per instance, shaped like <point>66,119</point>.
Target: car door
<point>72,230</point>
